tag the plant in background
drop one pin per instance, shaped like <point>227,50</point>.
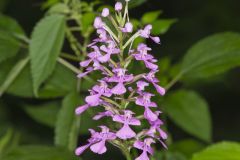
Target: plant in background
<point>111,54</point>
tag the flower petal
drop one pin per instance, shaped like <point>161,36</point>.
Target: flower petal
<point>119,89</point>
<point>81,149</point>
<point>99,147</point>
<point>81,109</point>
<point>143,156</point>
<point>125,132</point>
<point>93,100</point>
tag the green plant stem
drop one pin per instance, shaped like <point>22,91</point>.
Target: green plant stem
<point>72,68</point>
<point>76,47</point>
<point>70,57</point>
<point>174,80</point>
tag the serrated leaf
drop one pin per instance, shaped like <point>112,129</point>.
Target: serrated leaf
<point>189,111</point>
<point>161,26</point>
<point>213,55</point>
<point>45,46</point>
<point>55,85</point>
<point>220,151</point>
<point>33,152</point>
<point>67,121</point>
<point>45,113</point>
<point>150,17</point>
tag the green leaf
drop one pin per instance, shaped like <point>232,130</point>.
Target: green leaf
<point>150,17</point>
<point>161,26</point>
<point>187,147</point>
<point>8,142</point>
<point>87,21</point>
<point>59,8</point>
<point>213,55</point>
<point>220,151</point>
<point>15,71</point>
<point>9,46</point>
<point>55,85</point>
<point>190,112</point>
<point>45,46</point>
<point>45,113</point>
<point>66,130</point>
<point>32,152</point>
<point>10,25</point>
<point>163,155</point>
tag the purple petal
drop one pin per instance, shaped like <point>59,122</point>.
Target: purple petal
<point>81,109</point>
<point>81,149</point>
<point>156,39</point>
<point>104,58</point>
<point>125,132</point>
<point>118,118</point>
<point>105,12</point>
<point>138,144</point>
<point>93,100</point>
<point>85,63</point>
<point>134,121</point>
<point>141,85</point>
<point>118,6</point>
<point>159,89</point>
<point>119,89</point>
<point>150,65</point>
<point>162,133</point>
<point>99,147</point>
<point>143,156</point>
<point>149,115</point>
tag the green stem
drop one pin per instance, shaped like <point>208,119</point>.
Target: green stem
<point>174,80</point>
<point>70,57</point>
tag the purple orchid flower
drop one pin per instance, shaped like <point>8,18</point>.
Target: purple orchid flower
<point>98,23</point>
<point>105,12</point>
<point>120,77</point>
<point>145,147</point>
<point>93,57</point>
<point>110,49</point>
<point>145,100</point>
<point>128,28</point>
<point>127,119</point>
<point>141,85</point>
<point>97,141</point>
<point>118,6</point>
<point>145,57</point>
<point>146,33</point>
<point>150,77</point>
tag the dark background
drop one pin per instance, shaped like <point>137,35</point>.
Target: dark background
<point>196,19</point>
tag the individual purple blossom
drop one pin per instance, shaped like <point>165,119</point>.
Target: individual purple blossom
<point>146,33</point>
<point>142,55</point>
<point>144,99</point>
<point>118,6</point>
<point>127,119</point>
<point>128,28</point>
<point>141,85</point>
<point>97,141</point>
<point>145,146</point>
<point>105,12</point>
<point>93,57</point>
<point>98,23</point>
<point>156,127</point>
<point>150,77</point>
<point>109,50</point>
<point>120,77</point>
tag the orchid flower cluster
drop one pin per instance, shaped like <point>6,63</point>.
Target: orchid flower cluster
<point>111,54</point>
